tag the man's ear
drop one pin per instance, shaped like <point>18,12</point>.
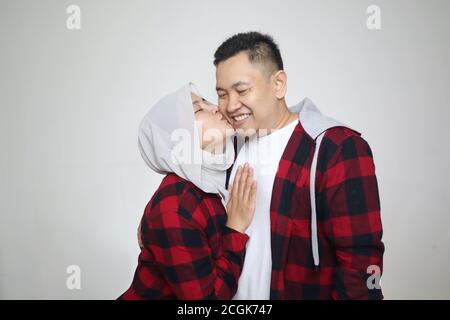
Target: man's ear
<point>279,79</point>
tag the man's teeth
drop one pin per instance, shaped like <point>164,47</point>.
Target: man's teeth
<point>242,117</point>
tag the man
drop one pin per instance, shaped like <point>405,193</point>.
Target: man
<point>310,203</point>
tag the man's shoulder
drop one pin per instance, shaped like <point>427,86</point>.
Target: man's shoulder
<point>333,138</point>
<point>341,144</point>
<point>338,143</point>
<point>339,135</point>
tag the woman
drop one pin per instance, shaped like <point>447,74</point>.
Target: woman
<point>192,248</point>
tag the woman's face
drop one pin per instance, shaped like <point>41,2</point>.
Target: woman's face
<point>213,127</point>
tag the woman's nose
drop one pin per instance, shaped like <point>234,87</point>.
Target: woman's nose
<point>215,111</point>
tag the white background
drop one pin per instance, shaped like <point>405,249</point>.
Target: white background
<point>73,186</point>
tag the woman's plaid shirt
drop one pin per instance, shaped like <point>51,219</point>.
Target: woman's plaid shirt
<point>188,251</point>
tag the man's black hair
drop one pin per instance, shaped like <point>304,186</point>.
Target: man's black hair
<point>260,48</point>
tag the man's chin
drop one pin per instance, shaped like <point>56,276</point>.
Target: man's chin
<point>247,130</point>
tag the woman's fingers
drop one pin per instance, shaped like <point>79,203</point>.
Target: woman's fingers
<point>252,196</point>
<point>243,180</point>
<point>248,184</point>
<point>230,189</point>
<point>253,192</point>
<point>236,183</point>
<point>242,203</point>
<point>230,194</point>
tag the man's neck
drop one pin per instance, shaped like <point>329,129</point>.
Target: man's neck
<point>284,117</point>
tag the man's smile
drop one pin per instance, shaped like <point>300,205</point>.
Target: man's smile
<point>238,120</point>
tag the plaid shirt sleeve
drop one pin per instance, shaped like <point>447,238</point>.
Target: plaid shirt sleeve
<point>188,263</point>
<point>350,200</point>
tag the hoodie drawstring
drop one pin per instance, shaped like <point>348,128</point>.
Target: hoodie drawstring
<point>312,192</point>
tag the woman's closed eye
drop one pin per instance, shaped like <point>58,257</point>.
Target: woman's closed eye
<point>197,107</point>
<point>201,105</point>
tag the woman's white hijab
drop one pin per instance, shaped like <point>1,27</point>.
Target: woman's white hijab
<point>169,142</point>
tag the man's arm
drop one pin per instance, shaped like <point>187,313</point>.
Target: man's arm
<point>352,217</point>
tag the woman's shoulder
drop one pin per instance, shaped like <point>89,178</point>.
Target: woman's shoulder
<point>176,194</point>
<point>173,185</point>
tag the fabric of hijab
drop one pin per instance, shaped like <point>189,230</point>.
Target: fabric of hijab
<point>169,141</point>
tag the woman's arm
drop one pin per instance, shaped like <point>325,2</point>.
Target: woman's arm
<point>179,244</point>
<point>186,260</point>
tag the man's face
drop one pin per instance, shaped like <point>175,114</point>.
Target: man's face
<point>247,96</point>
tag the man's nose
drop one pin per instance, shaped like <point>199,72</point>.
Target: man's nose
<point>233,105</point>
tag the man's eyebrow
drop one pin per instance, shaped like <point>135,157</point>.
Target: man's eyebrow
<point>240,83</point>
<point>235,85</point>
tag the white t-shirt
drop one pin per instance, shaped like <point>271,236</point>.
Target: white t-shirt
<point>263,154</point>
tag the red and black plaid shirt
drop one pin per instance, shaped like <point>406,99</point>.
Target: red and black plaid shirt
<point>190,254</point>
<point>188,251</point>
<point>348,214</point>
